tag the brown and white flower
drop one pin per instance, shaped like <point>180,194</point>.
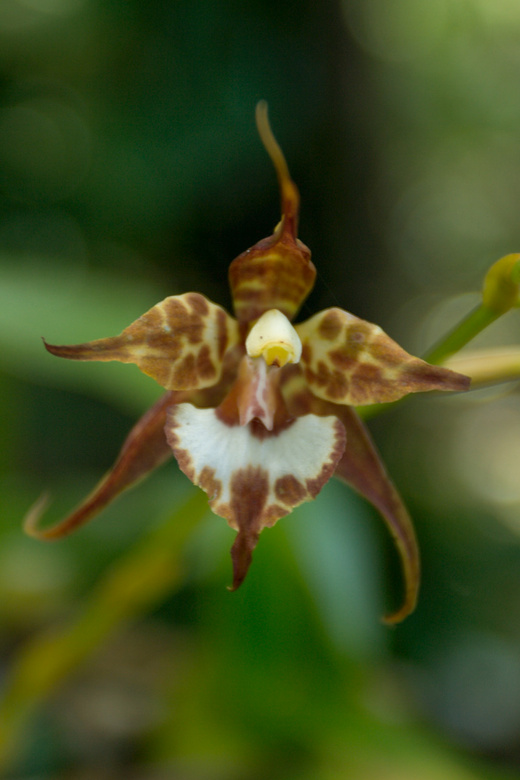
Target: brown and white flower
<point>258,412</point>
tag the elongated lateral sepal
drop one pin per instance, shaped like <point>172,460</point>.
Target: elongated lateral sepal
<point>144,449</point>
<point>361,467</point>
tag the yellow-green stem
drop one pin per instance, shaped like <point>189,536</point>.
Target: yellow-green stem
<point>466,330</point>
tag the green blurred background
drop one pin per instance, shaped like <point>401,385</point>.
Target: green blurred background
<point>130,169</point>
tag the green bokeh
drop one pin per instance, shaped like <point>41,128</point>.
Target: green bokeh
<point>130,169</point>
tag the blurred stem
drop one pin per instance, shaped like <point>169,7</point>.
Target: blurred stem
<point>466,330</point>
<point>488,367</point>
<point>500,293</point>
<point>149,571</point>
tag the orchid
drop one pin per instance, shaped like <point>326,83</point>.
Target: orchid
<point>259,412</point>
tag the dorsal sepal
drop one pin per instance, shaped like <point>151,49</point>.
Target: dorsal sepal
<point>277,272</point>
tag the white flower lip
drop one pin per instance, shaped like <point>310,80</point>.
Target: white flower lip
<point>274,338</point>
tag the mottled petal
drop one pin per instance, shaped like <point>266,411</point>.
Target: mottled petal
<point>145,448</point>
<point>181,343</point>
<point>253,476</point>
<point>350,361</point>
<point>362,468</point>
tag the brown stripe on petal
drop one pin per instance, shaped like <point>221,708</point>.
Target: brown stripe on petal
<point>241,556</point>
<point>182,373</point>
<point>342,360</point>
<point>247,539</point>
<point>306,355</point>
<point>249,491</point>
<point>182,456</point>
<point>363,378</point>
<point>209,484</point>
<point>333,383</point>
<point>198,303</point>
<point>205,367</point>
<point>423,375</point>
<point>274,274</point>
<point>315,484</point>
<point>222,332</point>
<point>260,432</point>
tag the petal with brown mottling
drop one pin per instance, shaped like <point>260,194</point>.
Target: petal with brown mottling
<point>181,343</point>
<point>253,476</point>
<point>350,361</point>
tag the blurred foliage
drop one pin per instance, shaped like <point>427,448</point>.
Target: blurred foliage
<point>129,170</point>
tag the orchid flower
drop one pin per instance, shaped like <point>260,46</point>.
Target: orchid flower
<point>259,412</point>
